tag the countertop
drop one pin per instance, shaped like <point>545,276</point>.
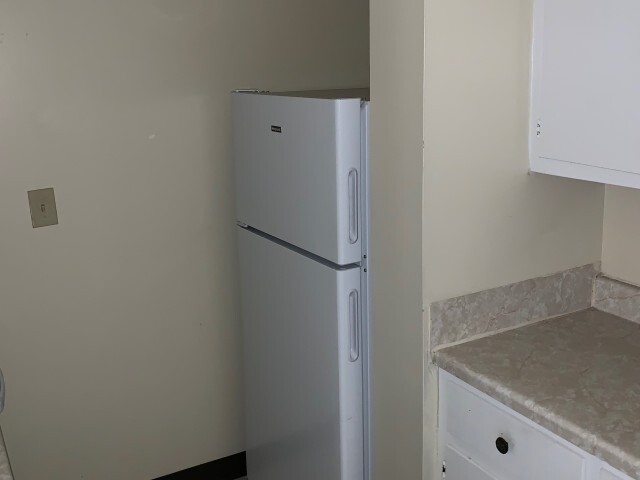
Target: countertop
<point>577,375</point>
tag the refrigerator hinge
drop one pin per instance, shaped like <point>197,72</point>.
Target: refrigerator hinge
<point>538,128</point>
<point>444,469</point>
<point>242,225</point>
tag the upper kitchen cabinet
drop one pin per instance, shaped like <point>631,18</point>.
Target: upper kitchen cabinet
<point>585,112</point>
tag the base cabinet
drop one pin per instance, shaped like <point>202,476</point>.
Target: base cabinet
<point>458,467</point>
<point>608,473</point>
<point>481,439</point>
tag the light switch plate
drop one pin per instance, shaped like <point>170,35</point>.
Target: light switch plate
<point>43,207</point>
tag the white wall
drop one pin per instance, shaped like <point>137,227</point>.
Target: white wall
<point>621,240</point>
<point>397,54</point>
<point>118,331</point>
<point>486,221</point>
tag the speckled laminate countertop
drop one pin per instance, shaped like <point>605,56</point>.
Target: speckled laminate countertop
<point>577,375</point>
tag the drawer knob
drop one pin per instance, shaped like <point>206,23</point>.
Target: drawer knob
<point>502,445</point>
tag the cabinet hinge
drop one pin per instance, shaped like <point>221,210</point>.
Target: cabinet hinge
<point>444,469</point>
<point>539,128</point>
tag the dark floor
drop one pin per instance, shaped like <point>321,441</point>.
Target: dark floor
<point>233,467</point>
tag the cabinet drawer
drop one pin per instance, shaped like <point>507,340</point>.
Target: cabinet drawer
<point>473,423</point>
<point>608,473</point>
<point>459,467</point>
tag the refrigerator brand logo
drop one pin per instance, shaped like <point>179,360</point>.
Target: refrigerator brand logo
<point>275,128</point>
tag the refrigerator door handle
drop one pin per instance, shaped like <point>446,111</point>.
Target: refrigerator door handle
<point>353,205</point>
<point>354,326</point>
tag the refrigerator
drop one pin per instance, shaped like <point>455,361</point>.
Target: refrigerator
<point>302,227</point>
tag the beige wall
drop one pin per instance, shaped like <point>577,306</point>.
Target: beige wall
<point>486,221</point>
<point>118,329</point>
<point>621,240</point>
<point>397,53</point>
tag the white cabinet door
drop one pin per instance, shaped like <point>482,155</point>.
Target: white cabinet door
<point>586,90</point>
<point>459,467</point>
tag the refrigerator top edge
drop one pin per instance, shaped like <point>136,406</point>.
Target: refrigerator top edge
<point>332,94</point>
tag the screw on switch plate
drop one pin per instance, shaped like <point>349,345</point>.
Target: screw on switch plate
<point>42,204</point>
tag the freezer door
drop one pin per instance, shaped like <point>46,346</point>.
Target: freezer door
<point>298,171</point>
<point>303,365</point>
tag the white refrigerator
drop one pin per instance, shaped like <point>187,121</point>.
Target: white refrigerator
<point>301,182</point>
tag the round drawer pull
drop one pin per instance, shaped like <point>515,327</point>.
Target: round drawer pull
<point>502,445</point>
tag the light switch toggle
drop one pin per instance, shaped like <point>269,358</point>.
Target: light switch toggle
<point>42,204</point>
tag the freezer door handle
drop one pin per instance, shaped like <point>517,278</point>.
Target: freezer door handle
<point>353,205</point>
<point>354,326</point>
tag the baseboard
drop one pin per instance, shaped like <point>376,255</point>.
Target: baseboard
<point>228,468</point>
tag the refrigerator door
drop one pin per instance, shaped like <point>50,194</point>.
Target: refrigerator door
<point>303,365</point>
<point>298,174</point>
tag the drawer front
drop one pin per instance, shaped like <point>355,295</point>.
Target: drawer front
<point>608,473</point>
<point>459,467</point>
<point>474,423</point>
